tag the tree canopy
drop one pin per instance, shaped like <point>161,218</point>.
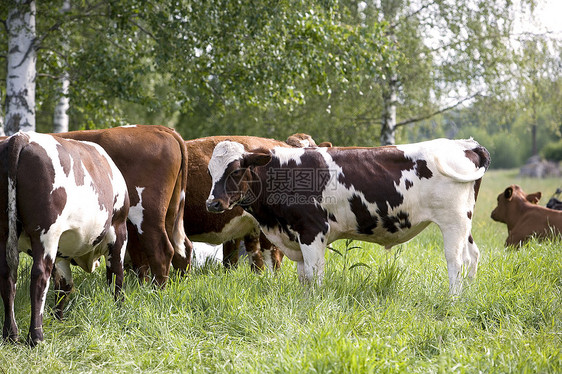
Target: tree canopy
<point>346,71</point>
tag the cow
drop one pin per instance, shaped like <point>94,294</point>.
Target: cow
<point>153,161</point>
<point>524,218</point>
<point>306,198</point>
<point>236,224</point>
<point>301,140</point>
<point>553,202</point>
<point>65,201</point>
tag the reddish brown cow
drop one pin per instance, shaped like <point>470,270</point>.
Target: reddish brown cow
<point>235,225</point>
<point>153,161</point>
<point>524,218</point>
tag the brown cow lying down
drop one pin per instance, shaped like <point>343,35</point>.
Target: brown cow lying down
<point>524,218</point>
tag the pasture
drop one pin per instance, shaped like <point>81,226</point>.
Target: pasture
<point>377,311</point>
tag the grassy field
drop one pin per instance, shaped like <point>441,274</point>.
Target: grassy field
<point>392,315</point>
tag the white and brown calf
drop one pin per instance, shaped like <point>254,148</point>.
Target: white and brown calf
<point>65,201</point>
<point>306,198</point>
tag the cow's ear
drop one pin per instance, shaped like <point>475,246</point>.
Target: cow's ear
<point>534,197</point>
<point>508,193</point>
<point>325,145</point>
<point>258,157</point>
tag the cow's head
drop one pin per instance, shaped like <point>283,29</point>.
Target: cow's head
<point>231,172</point>
<point>301,140</point>
<point>510,201</point>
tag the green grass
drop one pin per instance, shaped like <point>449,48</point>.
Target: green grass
<point>392,314</point>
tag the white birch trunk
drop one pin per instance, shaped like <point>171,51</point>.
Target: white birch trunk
<point>1,116</point>
<point>388,128</point>
<point>60,118</point>
<point>21,71</point>
<point>390,90</point>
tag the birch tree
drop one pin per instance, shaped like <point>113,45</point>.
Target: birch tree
<point>453,50</point>
<point>60,116</point>
<point>21,67</point>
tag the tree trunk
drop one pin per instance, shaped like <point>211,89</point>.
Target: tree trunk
<point>1,116</point>
<point>388,121</point>
<point>21,71</point>
<point>60,118</point>
<point>390,8</point>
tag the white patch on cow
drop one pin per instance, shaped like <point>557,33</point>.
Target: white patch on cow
<point>312,266</point>
<point>285,155</point>
<point>82,220</point>
<point>63,269</point>
<point>237,228</point>
<point>127,126</point>
<point>267,259</point>
<point>448,156</point>
<point>204,252</point>
<point>279,238</point>
<point>136,211</point>
<point>224,153</point>
<point>44,298</point>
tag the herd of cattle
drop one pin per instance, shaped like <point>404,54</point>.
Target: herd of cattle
<point>140,194</point>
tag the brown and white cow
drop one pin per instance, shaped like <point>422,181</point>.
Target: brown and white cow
<point>524,218</point>
<point>66,201</point>
<point>153,161</point>
<point>306,198</point>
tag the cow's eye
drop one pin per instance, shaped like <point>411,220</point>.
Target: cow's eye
<point>237,172</point>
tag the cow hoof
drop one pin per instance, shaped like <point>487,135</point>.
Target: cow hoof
<point>14,339</point>
<point>33,342</point>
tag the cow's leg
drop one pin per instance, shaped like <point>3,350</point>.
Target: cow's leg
<point>8,279</point>
<point>158,251</point>
<point>454,240</point>
<point>312,267</point>
<point>182,262</point>
<point>40,275</point>
<point>230,253</point>
<point>472,255</point>
<point>63,285</point>
<point>139,260</point>
<point>276,257</point>
<point>252,244</point>
<point>272,256</point>
<point>114,263</point>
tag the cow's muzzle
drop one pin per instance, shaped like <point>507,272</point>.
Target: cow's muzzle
<point>215,206</point>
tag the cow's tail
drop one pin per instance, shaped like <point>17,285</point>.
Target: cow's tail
<point>182,245</point>
<point>15,145</point>
<point>476,154</point>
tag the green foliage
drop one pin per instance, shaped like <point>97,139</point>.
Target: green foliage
<point>553,151</point>
<point>276,67</point>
